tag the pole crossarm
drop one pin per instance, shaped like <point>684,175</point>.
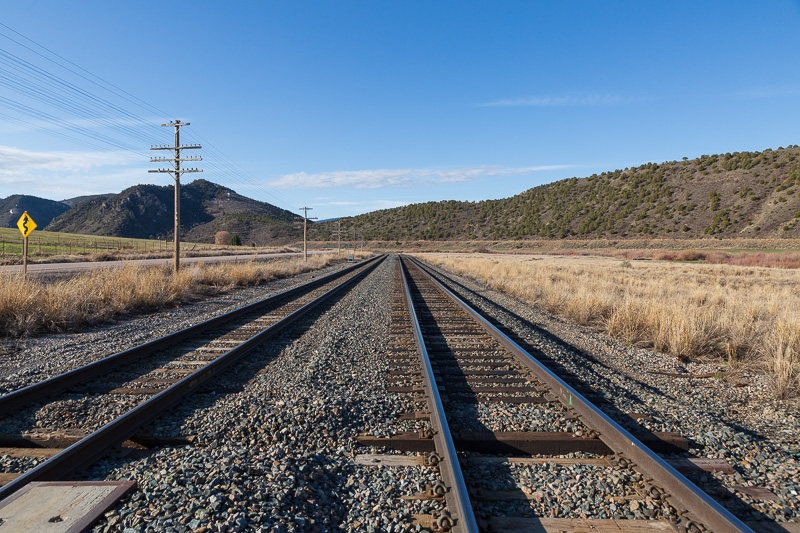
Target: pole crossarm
<point>165,147</point>
<point>182,171</point>
<point>169,159</point>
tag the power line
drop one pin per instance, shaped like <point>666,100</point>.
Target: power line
<point>152,108</point>
<point>48,88</point>
<point>247,177</point>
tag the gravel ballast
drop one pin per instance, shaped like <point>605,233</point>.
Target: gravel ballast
<point>27,361</point>
<point>734,419</point>
<point>274,439</point>
<point>279,455</point>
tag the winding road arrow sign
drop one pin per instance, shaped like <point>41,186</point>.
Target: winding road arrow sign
<point>26,224</point>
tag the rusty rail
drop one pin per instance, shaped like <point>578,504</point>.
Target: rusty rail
<point>95,445</point>
<point>19,398</point>
<point>457,497</point>
<point>700,511</point>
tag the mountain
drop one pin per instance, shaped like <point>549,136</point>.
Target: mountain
<point>40,209</point>
<point>146,211</point>
<point>72,202</point>
<point>745,194</point>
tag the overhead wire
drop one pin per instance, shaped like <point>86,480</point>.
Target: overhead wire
<point>133,99</point>
<point>42,78</point>
<point>43,86</point>
<point>246,178</point>
<point>58,134</point>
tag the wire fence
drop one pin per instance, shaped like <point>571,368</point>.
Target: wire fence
<point>45,247</point>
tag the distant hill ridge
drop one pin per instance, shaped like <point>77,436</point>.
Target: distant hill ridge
<point>744,194</point>
<point>740,194</point>
<point>146,211</point>
<point>41,210</point>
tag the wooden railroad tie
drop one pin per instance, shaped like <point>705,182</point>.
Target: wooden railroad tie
<point>524,442</point>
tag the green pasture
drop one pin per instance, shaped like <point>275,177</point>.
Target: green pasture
<point>45,243</point>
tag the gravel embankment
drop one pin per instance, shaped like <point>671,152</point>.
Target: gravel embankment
<point>278,456</point>
<point>736,419</point>
<point>275,436</point>
<point>27,361</point>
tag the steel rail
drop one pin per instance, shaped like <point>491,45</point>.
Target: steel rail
<point>457,497</point>
<point>19,398</point>
<point>94,446</point>
<point>680,492</point>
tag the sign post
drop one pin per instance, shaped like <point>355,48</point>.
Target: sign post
<point>26,226</point>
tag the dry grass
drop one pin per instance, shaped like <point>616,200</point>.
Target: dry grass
<point>715,257</point>
<point>581,245</point>
<point>746,315</point>
<point>62,255</point>
<point>32,306</point>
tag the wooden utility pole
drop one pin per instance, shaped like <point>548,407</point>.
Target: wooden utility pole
<point>176,173</point>
<point>338,233</point>
<point>305,229</point>
<point>339,236</point>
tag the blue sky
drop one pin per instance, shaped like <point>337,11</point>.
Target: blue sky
<point>348,106</point>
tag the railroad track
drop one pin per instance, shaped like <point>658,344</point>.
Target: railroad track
<point>452,361</point>
<point>148,380</point>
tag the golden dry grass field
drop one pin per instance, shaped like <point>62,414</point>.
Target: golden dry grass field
<point>29,306</point>
<point>746,315</point>
<point>58,247</point>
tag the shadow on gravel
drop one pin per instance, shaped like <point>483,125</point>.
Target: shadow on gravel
<point>710,484</point>
<point>460,402</point>
<point>82,396</point>
<point>246,439</point>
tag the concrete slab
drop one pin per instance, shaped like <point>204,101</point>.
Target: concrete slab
<point>60,506</point>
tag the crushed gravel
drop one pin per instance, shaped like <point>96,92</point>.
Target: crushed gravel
<point>735,418</point>
<point>30,360</point>
<point>279,455</point>
<point>275,438</point>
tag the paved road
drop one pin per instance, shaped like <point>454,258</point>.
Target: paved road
<point>58,270</point>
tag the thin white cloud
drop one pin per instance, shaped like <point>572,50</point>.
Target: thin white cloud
<point>388,204</point>
<point>373,179</point>
<point>770,91</point>
<point>15,162</point>
<point>570,100</point>
<point>64,174</point>
<point>371,204</point>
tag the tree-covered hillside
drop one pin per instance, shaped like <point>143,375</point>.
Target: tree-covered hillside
<point>747,194</point>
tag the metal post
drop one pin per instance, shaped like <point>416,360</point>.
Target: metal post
<point>25,257</point>
<point>339,235</point>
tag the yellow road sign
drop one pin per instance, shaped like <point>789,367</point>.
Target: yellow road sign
<point>26,224</point>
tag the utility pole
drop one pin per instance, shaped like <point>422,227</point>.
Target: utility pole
<point>338,233</point>
<point>176,173</point>
<point>305,228</point>
<point>339,236</point>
